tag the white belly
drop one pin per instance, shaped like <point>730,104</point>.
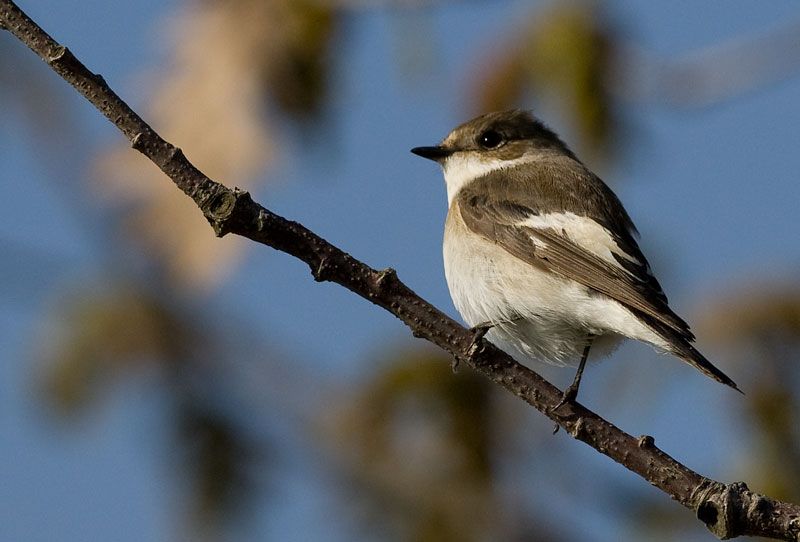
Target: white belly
<point>537,314</point>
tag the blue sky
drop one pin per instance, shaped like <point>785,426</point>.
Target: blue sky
<point>714,193</point>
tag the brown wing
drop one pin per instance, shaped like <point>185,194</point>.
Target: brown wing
<point>501,221</point>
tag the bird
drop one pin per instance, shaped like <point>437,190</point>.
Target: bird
<point>540,256</point>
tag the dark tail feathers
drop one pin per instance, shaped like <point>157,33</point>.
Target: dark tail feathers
<point>690,355</point>
<point>682,348</point>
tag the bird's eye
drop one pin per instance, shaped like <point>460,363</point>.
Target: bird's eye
<point>490,139</point>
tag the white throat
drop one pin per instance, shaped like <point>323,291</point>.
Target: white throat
<point>463,167</point>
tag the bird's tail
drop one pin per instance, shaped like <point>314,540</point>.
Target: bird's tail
<point>681,346</point>
<point>693,357</point>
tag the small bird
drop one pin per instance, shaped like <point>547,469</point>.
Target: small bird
<point>540,255</point>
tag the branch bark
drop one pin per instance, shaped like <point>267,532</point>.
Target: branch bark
<point>728,510</point>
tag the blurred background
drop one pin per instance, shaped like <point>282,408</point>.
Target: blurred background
<point>157,383</point>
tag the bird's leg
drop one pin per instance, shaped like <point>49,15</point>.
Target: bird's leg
<point>571,392</point>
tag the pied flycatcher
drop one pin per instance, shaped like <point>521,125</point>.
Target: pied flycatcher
<point>540,254</point>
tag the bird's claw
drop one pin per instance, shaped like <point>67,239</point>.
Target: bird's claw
<point>568,396</point>
<point>478,333</point>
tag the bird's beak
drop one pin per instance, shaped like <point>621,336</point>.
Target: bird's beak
<point>437,153</point>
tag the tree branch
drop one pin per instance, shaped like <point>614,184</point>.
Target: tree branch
<point>728,510</point>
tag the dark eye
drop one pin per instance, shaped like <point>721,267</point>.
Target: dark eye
<point>490,139</point>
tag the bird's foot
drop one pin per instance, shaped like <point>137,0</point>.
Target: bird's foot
<point>478,333</point>
<point>569,396</point>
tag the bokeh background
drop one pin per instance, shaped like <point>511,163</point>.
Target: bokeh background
<point>157,383</point>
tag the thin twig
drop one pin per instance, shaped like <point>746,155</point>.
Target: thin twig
<point>728,510</point>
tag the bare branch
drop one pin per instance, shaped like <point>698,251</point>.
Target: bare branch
<point>728,510</point>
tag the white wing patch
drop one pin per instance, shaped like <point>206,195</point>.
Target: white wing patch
<point>584,232</point>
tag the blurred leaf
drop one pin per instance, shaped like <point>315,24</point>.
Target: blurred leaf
<point>753,311</point>
<point>228,58</point>
<point>455,407</point>
<point>418,440</point>
<point>297,79</point>
<point>218,461</point>
<point>657,519</point>
<point>115,331</point>
<point>101,333</point>
<point>422,452</point>
<point>760,326</point>
<point>563,52</point>
<point>502,82</point>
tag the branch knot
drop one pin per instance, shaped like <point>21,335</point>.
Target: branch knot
<point>220,207</point>
<point>321,272</point>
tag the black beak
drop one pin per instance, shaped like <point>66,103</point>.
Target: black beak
<point>432,153</point>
